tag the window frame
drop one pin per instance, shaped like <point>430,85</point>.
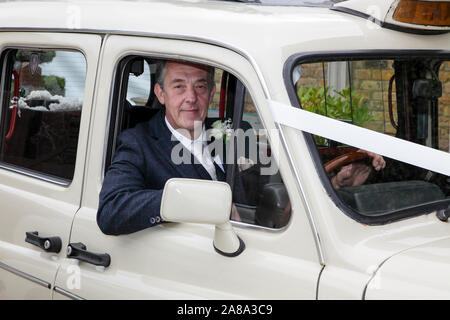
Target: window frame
<point>4,56</point>
<point>334,56</point>
<point>115,112</point>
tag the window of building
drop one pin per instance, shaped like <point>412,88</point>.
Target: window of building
<point>406,97</point>
<point>42,95</point>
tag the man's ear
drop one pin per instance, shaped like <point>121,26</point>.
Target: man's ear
<point>211,94</point>
<point>159,93</point>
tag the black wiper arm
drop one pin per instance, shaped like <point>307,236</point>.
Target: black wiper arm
<point>444,214</point>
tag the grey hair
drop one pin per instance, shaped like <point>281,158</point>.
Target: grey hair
<point>160,74</point>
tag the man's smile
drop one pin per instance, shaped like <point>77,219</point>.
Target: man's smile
<point>189,111</point>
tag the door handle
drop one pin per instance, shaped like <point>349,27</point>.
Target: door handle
<point>78,251</point>
<point>50,244</point>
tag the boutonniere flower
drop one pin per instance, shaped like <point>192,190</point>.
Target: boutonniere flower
<point>221,130</point>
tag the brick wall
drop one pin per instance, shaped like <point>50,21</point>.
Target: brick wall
<point>371,79</point>
<point>444,107</point>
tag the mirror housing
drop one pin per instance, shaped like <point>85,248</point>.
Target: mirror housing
<point>206,202</point>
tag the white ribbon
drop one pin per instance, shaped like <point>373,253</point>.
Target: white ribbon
<point>383,144</point>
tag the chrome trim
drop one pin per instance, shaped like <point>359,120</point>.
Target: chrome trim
<point>67,294</point>
<point>25,275</point>
<point>245,225</point>
<point>109,111</point>
<point>58,181</point>
<point>303,196</point>
<point>375,272</point>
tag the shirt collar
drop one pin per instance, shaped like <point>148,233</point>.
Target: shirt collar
<point>185,140</point>
<point>188,143</point>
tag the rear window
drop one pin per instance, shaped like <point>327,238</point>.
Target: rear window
<point>41,109</point>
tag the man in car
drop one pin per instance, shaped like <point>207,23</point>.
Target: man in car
<point>130,198</point>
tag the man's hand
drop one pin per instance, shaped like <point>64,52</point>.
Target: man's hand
<point>356,174</point>
<point>378,161</point>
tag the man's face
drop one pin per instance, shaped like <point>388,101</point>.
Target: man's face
<point>186,95</point>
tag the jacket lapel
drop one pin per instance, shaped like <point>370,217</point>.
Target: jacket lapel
<point>183,163</point>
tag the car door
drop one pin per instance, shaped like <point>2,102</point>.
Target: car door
<point>178,260</point>
<point>47,80</point>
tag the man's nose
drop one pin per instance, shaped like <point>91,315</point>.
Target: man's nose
<point>191,95</point>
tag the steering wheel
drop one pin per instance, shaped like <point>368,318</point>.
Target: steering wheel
<point>343,160</point>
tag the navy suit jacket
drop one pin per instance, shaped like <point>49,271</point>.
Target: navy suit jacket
<point>130,198</point>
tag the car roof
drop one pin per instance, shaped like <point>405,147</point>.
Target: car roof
<point>202,18</point>
<point>238,25</point>
<point>243,26</point>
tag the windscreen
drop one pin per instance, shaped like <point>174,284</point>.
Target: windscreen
<point>405,97</point>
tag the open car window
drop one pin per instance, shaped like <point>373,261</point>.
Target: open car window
<point>407,97</point>
<point>259,194</point>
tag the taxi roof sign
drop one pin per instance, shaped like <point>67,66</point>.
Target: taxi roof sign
<point>416,16</point>
<point>431,13</point>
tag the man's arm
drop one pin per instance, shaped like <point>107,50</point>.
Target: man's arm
<point>125,204</point>
<point>356,174</point>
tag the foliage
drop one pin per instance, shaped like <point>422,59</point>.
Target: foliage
<point>53,84</point>
<point>44,56</point>
<point>341,105</point>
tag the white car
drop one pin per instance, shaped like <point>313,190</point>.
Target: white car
<point>314,81</point>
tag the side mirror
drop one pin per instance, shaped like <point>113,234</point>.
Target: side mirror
<point>202,201</point>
